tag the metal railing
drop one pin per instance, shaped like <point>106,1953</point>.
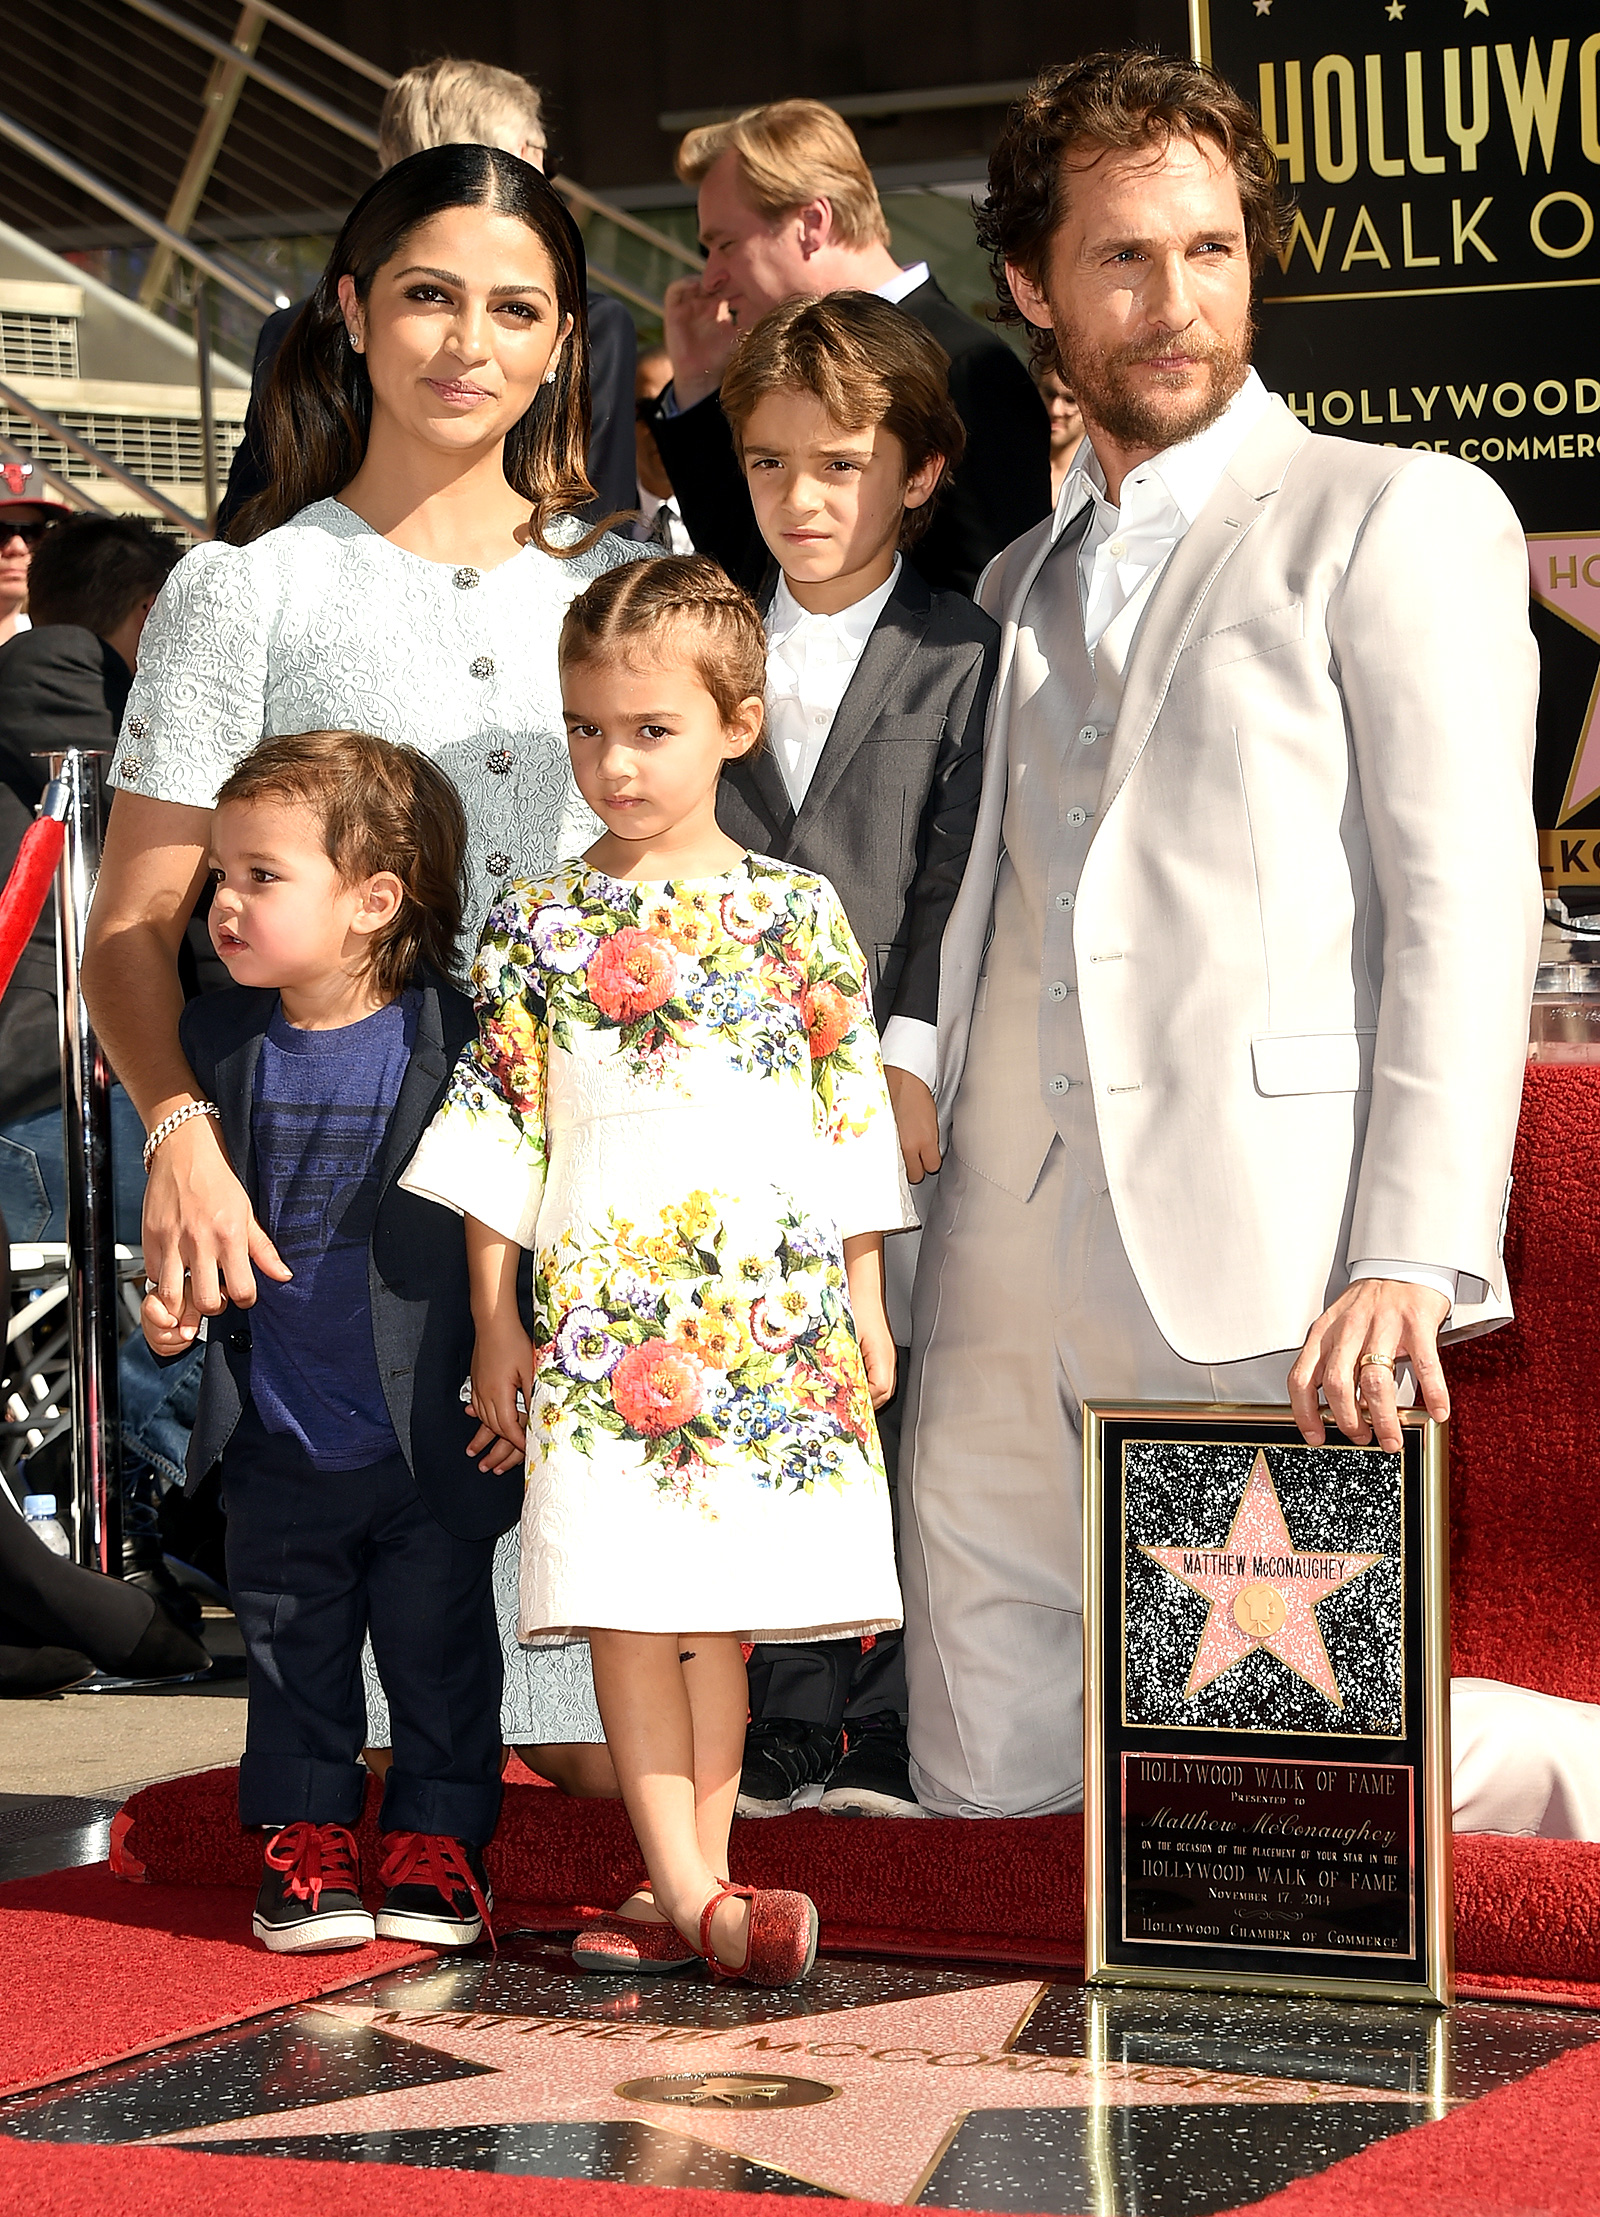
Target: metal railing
<point>54,428</point>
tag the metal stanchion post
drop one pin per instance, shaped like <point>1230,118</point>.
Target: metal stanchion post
<point>91,1211</point>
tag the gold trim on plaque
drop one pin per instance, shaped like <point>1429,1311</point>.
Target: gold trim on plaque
<point>1434,1883</point>
<point>1200,31</point>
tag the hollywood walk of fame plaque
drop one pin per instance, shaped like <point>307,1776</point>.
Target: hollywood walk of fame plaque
<point>1266,1705</point>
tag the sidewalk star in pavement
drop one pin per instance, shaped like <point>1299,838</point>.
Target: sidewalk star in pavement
<point>904,2074</point>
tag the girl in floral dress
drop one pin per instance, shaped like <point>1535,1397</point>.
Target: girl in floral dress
<point>676,1101</point>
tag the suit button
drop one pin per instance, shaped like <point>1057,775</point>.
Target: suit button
<point>241,1340</point>
<point>1088,735</point>
<point>1060,1085</point>
<point>1060,990</point>
<point>1077,815</point>
<point>1065,900</point>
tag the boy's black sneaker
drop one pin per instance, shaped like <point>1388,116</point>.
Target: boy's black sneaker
<point>872,1778</point>
<point>435,1891</point>
<point>310,1895</point>
<point>782,1760</point>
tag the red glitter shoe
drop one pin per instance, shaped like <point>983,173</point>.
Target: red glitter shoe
<point>782,1945</point>
<point>625,1946</point>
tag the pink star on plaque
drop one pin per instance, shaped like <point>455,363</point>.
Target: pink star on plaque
<point>1263,1591</point>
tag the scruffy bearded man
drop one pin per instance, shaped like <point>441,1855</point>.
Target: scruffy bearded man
<point>1234,999</point>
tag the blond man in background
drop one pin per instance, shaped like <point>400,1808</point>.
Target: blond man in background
<point>788,209</point>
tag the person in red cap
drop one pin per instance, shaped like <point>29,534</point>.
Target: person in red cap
<point>25,517</point>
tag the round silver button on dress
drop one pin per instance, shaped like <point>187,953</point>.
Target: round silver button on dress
<point>466,577</point>
<point>501,761</point>
<point>497,864</point>
<point>483,666</point>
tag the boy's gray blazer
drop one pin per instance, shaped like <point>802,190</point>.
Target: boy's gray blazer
<point>1307,926</point>
<point>888,815</point>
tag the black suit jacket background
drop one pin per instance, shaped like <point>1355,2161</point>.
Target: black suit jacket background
<point>1001,490</point>
<point>60,686</point>
<point>889,812</point>
<point>416,1268</point>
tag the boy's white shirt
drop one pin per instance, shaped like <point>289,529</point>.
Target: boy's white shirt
<point>810,662</point>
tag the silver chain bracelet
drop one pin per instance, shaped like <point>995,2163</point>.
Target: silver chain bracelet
<point>169,1124</point>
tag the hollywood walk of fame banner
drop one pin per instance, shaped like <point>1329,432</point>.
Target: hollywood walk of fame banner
<point>1438,289</point>
<point>1266,1720</point>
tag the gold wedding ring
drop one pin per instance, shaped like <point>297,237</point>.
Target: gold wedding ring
<point>1370,1361</point>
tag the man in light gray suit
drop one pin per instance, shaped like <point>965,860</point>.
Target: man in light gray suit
<point>1233,999</point>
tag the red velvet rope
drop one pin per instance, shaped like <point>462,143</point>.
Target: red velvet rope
<point>26,889</point>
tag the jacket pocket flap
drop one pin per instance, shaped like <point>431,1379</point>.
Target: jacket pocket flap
<point>1313,1062</point>
<point>1241,642</point>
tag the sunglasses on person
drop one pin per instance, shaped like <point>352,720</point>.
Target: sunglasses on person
<point>29,533</point>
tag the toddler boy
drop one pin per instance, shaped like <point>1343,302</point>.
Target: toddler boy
<point>359,1494</point>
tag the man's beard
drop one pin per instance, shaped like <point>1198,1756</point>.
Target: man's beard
<point>1135,416</point>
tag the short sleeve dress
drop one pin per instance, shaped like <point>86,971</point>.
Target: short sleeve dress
<point>323,625</point>
<point>676,1100</point>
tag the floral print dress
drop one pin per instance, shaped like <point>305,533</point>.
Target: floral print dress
<point>676,1100</point>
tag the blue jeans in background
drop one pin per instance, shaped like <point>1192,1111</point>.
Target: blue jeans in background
<point>33,1178</point>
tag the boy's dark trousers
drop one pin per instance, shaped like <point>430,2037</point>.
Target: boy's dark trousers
<point>831,1683</point>
<point>316,1558</point>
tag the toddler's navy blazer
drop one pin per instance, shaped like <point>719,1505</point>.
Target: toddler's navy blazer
<point>416,1272</point>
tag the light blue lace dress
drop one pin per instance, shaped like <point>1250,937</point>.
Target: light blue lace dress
<point>323,625</point>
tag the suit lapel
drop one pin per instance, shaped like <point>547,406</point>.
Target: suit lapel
<point>1253,475</point>
<point>894,638</point>
<point>772,796</point>
<point>427,1069</point>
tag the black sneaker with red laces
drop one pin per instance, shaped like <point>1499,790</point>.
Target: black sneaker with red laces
<point>435,1891</point>
<point>310,1895</point>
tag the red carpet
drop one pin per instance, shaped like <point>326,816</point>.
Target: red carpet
<point>96,1970</point>
<point>1525,1441</point>
<point>1527,1911</point>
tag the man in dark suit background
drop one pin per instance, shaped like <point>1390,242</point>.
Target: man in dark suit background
<point>788,208</point>
<point>444,103</point>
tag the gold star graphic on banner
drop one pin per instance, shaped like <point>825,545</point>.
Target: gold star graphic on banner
<point>904,2074</point>
<point>1263,7</point>
<point>1395,10</point>
<point>1475,7</point>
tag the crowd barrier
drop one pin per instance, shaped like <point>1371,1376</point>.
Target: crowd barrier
<point>63,844</point>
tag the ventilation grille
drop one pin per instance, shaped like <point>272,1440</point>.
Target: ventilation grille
<point>37,345</point>
<point>163,450</point>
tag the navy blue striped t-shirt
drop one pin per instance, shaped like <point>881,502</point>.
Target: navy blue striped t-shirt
<point>323,1100</point>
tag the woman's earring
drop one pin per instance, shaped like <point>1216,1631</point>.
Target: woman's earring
<point>549,376</point>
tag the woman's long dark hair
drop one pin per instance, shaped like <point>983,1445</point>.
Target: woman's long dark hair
<point>317,408</point>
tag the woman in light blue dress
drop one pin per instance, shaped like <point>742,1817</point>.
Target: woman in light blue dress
<point>405,573</point>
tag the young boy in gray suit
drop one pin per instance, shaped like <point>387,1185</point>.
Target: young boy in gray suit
<point>877,690</point>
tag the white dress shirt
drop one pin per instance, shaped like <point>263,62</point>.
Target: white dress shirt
<point>1121,552</point>
<point>810,662</point>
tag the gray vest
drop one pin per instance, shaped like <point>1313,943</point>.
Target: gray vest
<point>1026,1080</point>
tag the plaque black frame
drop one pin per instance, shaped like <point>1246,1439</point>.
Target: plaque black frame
<point>1425,1974</point>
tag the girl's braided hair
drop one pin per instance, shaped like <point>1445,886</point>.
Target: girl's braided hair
<point>682,608</point>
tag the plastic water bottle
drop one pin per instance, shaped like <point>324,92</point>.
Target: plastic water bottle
<point>40,1511</point>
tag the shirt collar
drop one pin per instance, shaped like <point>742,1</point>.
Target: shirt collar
<point>1187,474</point>
<point>851,626</point>
<point>907,282</point>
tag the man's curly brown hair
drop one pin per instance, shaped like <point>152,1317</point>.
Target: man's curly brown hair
<point>1113,103</point>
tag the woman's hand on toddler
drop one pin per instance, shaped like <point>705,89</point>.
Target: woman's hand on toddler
<point>166,1334</point>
